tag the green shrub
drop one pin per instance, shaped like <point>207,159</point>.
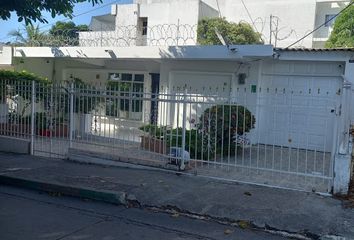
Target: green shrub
<point>173,138</point>
<point>20,83</point>
<point>220,124</point>
<point>217,127</point>
<point>155,131</point>
<point>193,141</point>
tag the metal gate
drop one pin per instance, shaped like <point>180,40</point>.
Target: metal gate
<point>283,137</point>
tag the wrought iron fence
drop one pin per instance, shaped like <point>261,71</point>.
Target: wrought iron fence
<point>211,133</point>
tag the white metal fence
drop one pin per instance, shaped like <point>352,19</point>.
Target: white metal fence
<point>248,136</point>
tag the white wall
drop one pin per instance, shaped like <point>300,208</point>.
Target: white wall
<point>207,11</point>
<point>44,67</point>
<point>296,18</point>
<point>292,19</point>
<point>349,76</point>
<point>97,25</point>
<point>211,78</point>
<point>322,9</point>
<point>5,55</point>
<point>171,22</point>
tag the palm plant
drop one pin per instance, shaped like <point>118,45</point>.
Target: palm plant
<point>32,36</point>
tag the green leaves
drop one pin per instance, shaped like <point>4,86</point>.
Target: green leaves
<point>342,35</point>
<point>66,33</point>
<point>7,75</point>
<point>32,36</point>
<point>31,10</point>
<point>236,33</point>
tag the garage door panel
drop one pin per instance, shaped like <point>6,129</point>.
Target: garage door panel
<point>324,85</point>
<point>303,82</point>
<point>302,68</point>
<point>279,81</point>
<point>302,115</point>
<point>317,142</point>
<point>298,101</point>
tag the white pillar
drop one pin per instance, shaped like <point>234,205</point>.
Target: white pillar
<point>343,158</point>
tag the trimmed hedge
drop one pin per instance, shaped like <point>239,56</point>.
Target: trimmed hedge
<point>216,130</point>
<point>220,124</point>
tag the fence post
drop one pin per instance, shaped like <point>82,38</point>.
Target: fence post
<point>33,119</point>
<point>177,32</point>
<point>342,157</point>
<point>71,118</point>
<point>184,120</point>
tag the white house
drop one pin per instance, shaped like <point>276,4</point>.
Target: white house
<point>174,22</point>
<point>301,98</point>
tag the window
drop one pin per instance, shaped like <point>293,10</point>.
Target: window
<point>144,26</point>
<point>128,89</point>
<point>330,19</point>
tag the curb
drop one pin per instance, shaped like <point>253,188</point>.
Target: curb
<point>113,197</point>
<point>121,198</point>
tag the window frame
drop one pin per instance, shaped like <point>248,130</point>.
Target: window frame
<point>129,105</point>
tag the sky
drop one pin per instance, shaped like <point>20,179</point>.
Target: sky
<point>13,24</point>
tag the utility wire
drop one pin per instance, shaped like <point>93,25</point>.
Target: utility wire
<point>323,24</point>
<point>249,15</point>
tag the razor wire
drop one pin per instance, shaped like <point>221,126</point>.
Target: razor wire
<point>121,36</point>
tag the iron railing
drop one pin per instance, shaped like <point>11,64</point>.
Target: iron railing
<point>209,133</point>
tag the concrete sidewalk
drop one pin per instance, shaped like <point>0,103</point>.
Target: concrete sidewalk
<point>290,212</point>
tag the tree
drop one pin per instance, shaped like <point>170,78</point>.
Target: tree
<point>342,35</point>
<point>31,10</point>
<point>66,33</point>
<point>235,33</point>
<point>31,37</point>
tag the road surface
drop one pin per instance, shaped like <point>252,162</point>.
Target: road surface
<point>30,215</point>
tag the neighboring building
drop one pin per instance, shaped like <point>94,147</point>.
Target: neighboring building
<point>174,22</point>
<point>153,24</point>
<point>287,20</point>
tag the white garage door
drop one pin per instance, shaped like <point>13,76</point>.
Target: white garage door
<point>298,104</point>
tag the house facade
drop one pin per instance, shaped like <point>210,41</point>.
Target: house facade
<point>174,22</point>
<point>300,100</point>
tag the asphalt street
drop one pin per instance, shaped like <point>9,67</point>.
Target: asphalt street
<point>29,215</point>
